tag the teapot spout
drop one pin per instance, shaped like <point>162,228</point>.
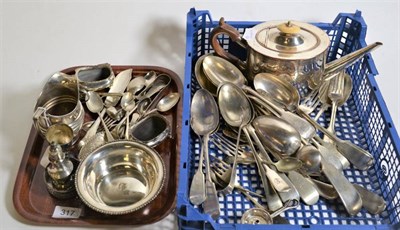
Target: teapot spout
<point>337,65</point>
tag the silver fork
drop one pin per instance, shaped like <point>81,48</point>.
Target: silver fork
<point>224,144</point>
<point>313,100</point>
<point>109,122</point>
<point>222,172</point>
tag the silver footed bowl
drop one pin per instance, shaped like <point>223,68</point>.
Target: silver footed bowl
<point>120,177</point>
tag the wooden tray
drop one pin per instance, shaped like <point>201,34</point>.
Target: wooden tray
<point>33,202</point>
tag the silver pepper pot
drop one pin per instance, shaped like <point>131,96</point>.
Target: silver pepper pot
<point>60,168</point>
<point>59,174</point>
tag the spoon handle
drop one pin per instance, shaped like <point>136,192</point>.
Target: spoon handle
<point>308,193</point>
<point>331,127</point>
<point>372,202</point>
<point>288,205</point>
<point>332,156</point>
<point>232,180</point>
<point>321,111</point>
<point>273,200</point>
<point>127,127</point>
<point>325,190</point>
<point>211,204</point>
<point>346,191</point>
<point>252,199</point>
<point>330,148</point>
<point>119,84</point>
<point>359,157</point>
<point>197,194</point>
<point>275,179</point>
<point>267,103</point>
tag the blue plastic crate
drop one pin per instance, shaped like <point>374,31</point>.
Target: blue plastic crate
<point>364,120</point>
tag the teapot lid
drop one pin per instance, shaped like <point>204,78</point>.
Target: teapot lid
<point>288,40</point>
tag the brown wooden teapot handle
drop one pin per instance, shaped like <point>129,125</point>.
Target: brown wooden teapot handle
<point>234,34</point>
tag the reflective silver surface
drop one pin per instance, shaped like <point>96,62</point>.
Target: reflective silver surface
<point>136,84</point>
<point>277,134</point>
<point>60,134</point>
<point>201,77</point>
<point>120,177</point>
<point>151,130</point>
<point>233,105</point>
<point>277,89</point>
<point>59,103</point>
<point>219,70</point>
<point>311,158</point>
<point>204,114</point>
<point>167,102</point>
<point>119,84</point>
<point>95,77</point>
<point>93,143</point>
<point>204,120</point>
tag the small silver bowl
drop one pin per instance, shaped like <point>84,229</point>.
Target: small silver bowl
<point>120,177</point>
<point>152,130</point>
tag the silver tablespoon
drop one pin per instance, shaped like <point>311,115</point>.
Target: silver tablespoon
<point>204,120</point>
<point>291,192</point>
<point>236,111</point>
<point>277,134</point>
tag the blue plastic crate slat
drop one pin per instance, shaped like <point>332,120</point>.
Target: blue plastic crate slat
<point>363,119</point>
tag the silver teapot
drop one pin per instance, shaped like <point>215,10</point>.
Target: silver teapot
<point>293,50</point>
